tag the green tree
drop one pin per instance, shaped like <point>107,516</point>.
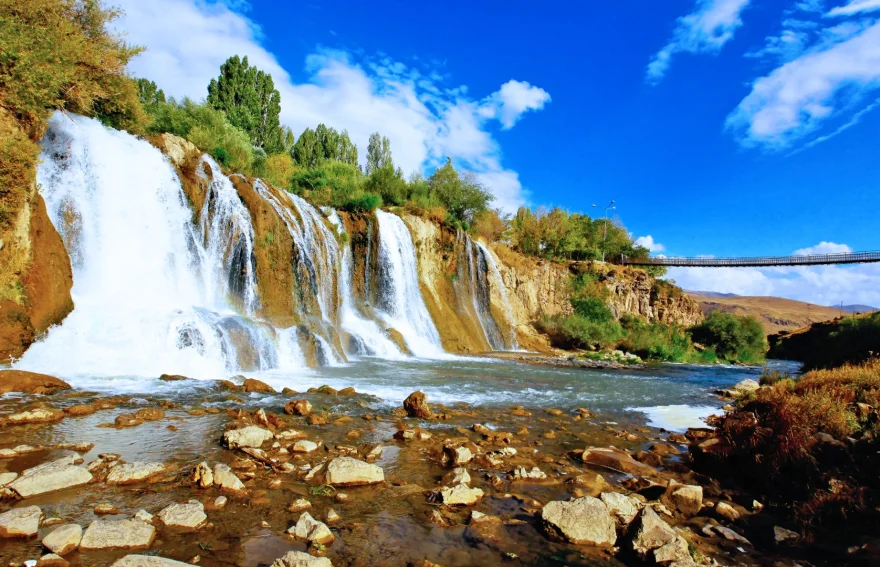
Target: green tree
<point>462,195</point>
<point>378,153</point>
<point>734,338</point>
<point>149,93</point>
<point>305,151</point>
<point>250,100</point>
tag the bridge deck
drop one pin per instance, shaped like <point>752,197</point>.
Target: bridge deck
<point>811,260</point>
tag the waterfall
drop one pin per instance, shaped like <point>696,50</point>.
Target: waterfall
<point>400,299</point>
<point>494,278</point>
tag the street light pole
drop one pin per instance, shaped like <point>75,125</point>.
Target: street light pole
<point>605,227</point>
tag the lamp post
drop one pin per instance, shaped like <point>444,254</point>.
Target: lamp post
<point>610,207</point>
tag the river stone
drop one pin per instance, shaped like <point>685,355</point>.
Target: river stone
<point>147,561</point>
<point>36,415</point>
<point>460,475</point>
<point>652,532</point>
<point>304,446</point>
<point>298,407</point>
<point>616,460</point>
<point>687,498</point>
<point>202,475</point>
<point>250,436</point>
<point>189,516</point>
<point>253,385</point>
<point>311,530</point>
<point>676,551</point>
<point>460,495</point>
<point>21,522</point>
<point>299,559</point>
<point>582,521</point>
<point>621,506</point>
<point>459,455</point>
<point>117,534</point>
<point>7,477</point>
<point>346,471</point>
<point>129,473</point>
<point>416,405</point>
<point>226,479</point>
<point>52,560</point>
<point>63,539</point>
<point>726,511</point>
<point>49,477</point>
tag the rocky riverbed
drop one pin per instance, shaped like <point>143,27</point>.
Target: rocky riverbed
<point>239,474</point>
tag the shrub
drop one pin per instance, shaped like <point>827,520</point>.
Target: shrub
<point>364,203</point>
<point>851,340</point>
<point>734,338</point>
<point>577,331</point>
<point>279,169</point>
<point>330,183</point>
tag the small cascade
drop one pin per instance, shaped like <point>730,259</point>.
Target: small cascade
<point>495,281</point>
<point>400,301</point>
<point>473,289</point>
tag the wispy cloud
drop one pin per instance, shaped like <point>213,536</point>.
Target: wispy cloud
<point>425,118</point>
<point>855,7</point>
<point>705,30</point>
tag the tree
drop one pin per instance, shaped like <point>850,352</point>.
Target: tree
<point>348,152</point>
<point>305,151</point>
<point>149,93</point>
<point>378,153</point>
<point>462,195</point>
<point>250,100</point>
<point>733,337</point>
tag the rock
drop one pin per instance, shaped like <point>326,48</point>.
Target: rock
<point>664,449</point>
<point>80,410</point>
<point>782,535</point>
<point>7,477</point>
<point>172,378</point>
<point>652,532</point>
<point>593,483</point>
<point>315,419</point>
<point>460,495</point>
<point>346,471</point>
<point>298,407</point>
<point>63,539</point>
<point>145,516</point>
<point>521,473</point>
<point>300,559</point>
<point>686,498</point>
<point>117,534</point>
<point>624,508</point>
<point>30,382</point>
<point>250,436</point>
<point>616,460</point>
<point>127,420</point>
<point>36,415</point>
<point>106,508</point>
<point>583,521</point>
<point>311,530</point>
<point>252,385</point>
<point>459,455</point>
<point>189,516</point>
<point>556,412</point>
<point>226,479</point>
<point>150,414</point>
<point>52,560</point>
<point>49,477</point>
<point>289,434</point>
<point>18,450</point>
<point>674,551</point>
<point>731,535</point>
<point>299,505</point>
<point>747,386</point>
<point>304,446</point>
<point>202,475</point>
<point>130,473</point>
<point>147,561</point>
<point>726,511</point>
<point>459,475</point>
<point>416,405</point>
<point>21,522</point>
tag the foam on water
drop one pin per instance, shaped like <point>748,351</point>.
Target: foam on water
<point>676,417</point>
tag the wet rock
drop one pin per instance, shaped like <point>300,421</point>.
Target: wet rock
<point>349,391</point>
<point>127,420</point>
<point>460,495</point>
<point>332,515</point>
<point>459,475</point>
<point>202,475</point>
<point>346,471</point>
<point>150,414</point>
<point>7,477</point>
<point>130,473</point>
<point>311,530</point>
<point>37,415</point>
<point>747,386</point>
<point>52,560</point>
<point>289,434</point>
<point>459,455</point>
<point>325,389</point>
<point>252,385</point>
<point>250,436</point>
<point>664,449</point>
<point>616,460</point>
<point>80,410</point>
<point>726,511</point>
<point>18,450</point>
<point>63,539</point>
<point>593,483</point>
<point>172,378</point>
<point>315,419</point>
<point>189,516</point>
<point>30,382</point>
<point>144,516</point>
<point>554,412</point>
<point>524,474</point>
<point>117,534</point>
<point>49,477</point>
<point>649,458</point>
<point>298,407</point>
<point>226,479</point>
<point>219,503</point>
<point>304,446</point>
<point>583,521</point>
<point>686,498</point>
<point>147,561</point>
<point>21,522</point>
<point>651,533</point>
<point>624,508</point>
<point>416,405</point>
<point>299,505</point>
<point>782,535</point>
<point>300,559</point>
<point>106,508</point>
<point>519,411</point>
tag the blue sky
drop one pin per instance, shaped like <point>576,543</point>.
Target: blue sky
<point>720,127</point>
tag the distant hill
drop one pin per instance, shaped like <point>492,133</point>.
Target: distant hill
<point>775,313</point>
<point>713,294</point>
<point>858,308</point>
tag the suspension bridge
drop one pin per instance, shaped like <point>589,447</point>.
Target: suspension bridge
<point>759,262</point>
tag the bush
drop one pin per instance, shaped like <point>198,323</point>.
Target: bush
<point>734,338</point>
<point>364,203</point>
<point>851,340</point>
<point>330,183</point>
<point>279,169</point>
<point>577,331</point>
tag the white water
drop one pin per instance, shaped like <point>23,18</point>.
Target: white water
<point>497,282</point>
<point>400,299</point>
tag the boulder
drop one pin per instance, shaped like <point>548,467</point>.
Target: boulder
<point>144,516</point>
<point>416,405</point>
<point>624,508</point>
<point>36,415</point>
<point>202,475</point>
<point>686,498</point>
<point>30,382</point>
<point>52,560</point>
<point>150,414</point>
<point>63,539</point>
<point>747,386</point>
<point>460,495</point>
<point>7,477</point>
<point>726,511</point>
<point>299,505</point>
<point>250,436</point>
<point>459,455</point>
<point>147,561</point>
<point>117,534</point>
<point>304,446</point>
<point>346,471</point>
<point>49,477</point>
<point>674,551</point>
<point>311,530</point>
<point>616,460</point>
<point>298,407</point>
<point>21,522</point>
<point>130,473</point>
<point>251,385</point>
<point>651,533</point>
<point>459,475</point>
<point>189,516</point>
<point>782,535</point>
<point>524,474</point>
<point>226,479</point>
<point>300,559</point>
<point>127,420</point>
<point>583,521</point>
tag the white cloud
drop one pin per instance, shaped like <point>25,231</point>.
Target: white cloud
<point>425,120</point>
<point>798,97</point>
<point>822,285</point>
<point>705,30</point>
<point>855,7</point>
<point>648,242</point>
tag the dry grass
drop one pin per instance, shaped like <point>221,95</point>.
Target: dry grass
<point>775,313</point>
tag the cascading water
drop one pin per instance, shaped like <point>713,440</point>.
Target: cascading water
<point>400,300</point>
<point>495,280</point>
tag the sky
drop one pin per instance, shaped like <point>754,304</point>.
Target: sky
<point>718,127</point>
